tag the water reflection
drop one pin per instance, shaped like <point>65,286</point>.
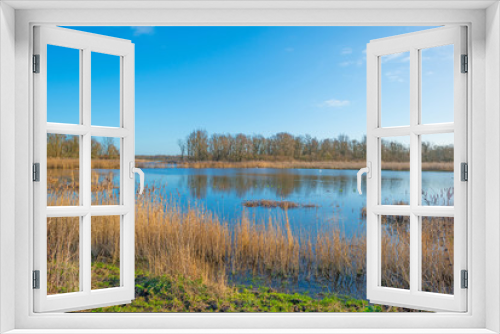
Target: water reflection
<point>281,185</point>
<point>333,192</point>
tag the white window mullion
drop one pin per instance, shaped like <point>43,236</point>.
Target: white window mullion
<point>79,130</point>
<point>85,157</point>
<point>392,210</point>
<point>421,129</point>
<point>460,156</point>
<point>80,127</point>
<point>396,131</point>
<point>435,211</point>
<point>67,129</point>
<point>429,129</point>
<point>103,131</point>
<point>373,184</point>
<point>40,156</point>
<point>86,177</point>
<point>414,173</point>
<point>127,102</point>
<point>86,257</point>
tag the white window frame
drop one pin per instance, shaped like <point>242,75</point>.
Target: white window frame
<point>413,43</point>
<point>86,44</point>
<point>484,103</point>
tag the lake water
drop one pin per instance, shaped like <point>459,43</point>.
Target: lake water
<point>332,192</point>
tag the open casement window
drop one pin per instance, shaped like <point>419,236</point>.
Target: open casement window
<point>64,270</point>
<point>436,224</point>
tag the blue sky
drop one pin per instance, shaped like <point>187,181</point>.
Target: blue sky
<point>253,80</point>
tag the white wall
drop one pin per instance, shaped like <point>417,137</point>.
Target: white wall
<point>492,163</point>
<point>7,160</point>
<point>480,165</point>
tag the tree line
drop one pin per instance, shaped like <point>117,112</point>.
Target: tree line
<point>283,146</point>
<point>200,146</point>
<point>68,146</point>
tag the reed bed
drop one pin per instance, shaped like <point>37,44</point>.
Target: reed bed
<point>394,165</point>
<point>274,164</point>
<point>63,251</point>
<point>74,163</point>
<point>100,163</point>
<point>193,242</point>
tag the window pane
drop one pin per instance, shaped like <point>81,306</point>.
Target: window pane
<point>395,253</point>
<point>105,252</point>
<point>63,85</point>
<point>395,175</point>
<point>105,90</point>
<point>395,89</point>
<point>437,170</point>
<point>105,153</point>
<point>437,84</point>
<point>63,169</point>
<point>437,254</point>
<point>63,255</point>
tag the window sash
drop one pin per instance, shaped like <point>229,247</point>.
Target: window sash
<point>87,43</point>
<point>414,298</point>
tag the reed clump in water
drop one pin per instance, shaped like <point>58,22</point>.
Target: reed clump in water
<point>276,204</point>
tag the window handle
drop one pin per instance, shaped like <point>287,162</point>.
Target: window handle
<point>368,171</point>
<point>134,170</point>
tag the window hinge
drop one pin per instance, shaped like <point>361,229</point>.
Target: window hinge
<point>465,64</point>
<point>464,171</point>
<point>36,172</point>
<point>465,279</point>
<point>36,279</point>
<point>36,63</point>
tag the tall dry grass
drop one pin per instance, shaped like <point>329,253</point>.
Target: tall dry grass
<point>74,163</point>
<point>63,249</point>
<point>193,242</point>
<point>395,254</point>
<point>426,166</point>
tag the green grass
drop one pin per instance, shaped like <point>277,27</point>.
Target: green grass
<point>182,294</point>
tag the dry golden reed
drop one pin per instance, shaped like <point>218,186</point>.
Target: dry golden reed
<point>99,163</point>
<point>170,240</point>
<point>74,163</point>
<point>426,166</point>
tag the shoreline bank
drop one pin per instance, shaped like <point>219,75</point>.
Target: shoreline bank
<point>73,163</point>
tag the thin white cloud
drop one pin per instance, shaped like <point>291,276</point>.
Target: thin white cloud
<point>394,76</point>
<point>354,60</point>
<point>346,63</point>
<point>334,103</point>
<point>395,56</point>
<point>289,49</point>
<point>440,53</point>
<point>138,31</point>
<point>346,51</point>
